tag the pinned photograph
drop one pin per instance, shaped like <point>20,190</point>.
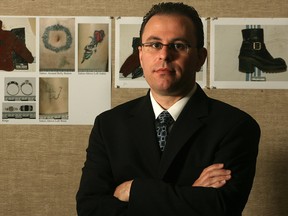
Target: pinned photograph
<point>17,44</point>
<point>249,53</point>
<point>128,71</point>
<point>57,44</point>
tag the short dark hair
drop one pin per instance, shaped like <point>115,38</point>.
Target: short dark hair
<point>176,8</point>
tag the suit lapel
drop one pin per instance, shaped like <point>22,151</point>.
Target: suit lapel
<point>142,127</point>
<point>187,124</point>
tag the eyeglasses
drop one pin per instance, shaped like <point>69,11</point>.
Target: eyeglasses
<point>153,47</point>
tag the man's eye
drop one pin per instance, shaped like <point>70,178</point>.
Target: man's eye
<point>179,46</point>
<point>156,45</point>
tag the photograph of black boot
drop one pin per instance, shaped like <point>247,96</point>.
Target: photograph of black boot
<point>249,53</point>
<point>253,53</point>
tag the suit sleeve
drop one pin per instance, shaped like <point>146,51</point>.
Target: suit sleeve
<point>238,150</point>
<point>95,194</point>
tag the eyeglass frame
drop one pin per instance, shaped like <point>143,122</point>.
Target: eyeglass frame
<point>171,46</point>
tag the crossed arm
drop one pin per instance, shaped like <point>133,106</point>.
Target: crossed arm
<point>213,176</point>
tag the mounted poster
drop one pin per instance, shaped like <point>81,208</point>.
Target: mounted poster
<point>249,53</point>
<point>54,70</point>
<point>128,72</point>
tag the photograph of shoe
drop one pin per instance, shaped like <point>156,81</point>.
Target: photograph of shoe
<point>249,53</point>
<point>253,53</point>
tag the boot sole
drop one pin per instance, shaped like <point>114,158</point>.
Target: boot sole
<point>247,65</point>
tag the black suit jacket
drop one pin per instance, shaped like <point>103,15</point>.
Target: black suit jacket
<point>123,147</point>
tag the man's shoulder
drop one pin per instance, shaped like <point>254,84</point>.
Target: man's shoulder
<point>129,104</point>
<point>126,107</point>
<point>228,112</point>
<point>216,106</point>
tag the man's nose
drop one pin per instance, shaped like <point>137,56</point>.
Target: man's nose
<point>165,53</point>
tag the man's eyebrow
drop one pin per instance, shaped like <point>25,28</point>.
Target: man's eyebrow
<point>151,38</point>
<point>182,40</point>
<point>155,38</point>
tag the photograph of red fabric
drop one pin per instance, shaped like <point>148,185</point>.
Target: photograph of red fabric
<point>9,43</point>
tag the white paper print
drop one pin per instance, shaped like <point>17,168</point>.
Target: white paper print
<point>54,70</point>
<point>128,72</point>
<point>249,53</point>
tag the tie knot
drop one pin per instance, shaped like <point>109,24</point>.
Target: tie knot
<point>165,118</point>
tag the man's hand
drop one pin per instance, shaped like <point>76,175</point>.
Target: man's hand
<point>213,176</point>
<point>122,192</point>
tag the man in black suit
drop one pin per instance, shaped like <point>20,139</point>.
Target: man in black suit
<point>206,165</point>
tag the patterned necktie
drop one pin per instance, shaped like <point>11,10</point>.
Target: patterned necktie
<point>163,122</point>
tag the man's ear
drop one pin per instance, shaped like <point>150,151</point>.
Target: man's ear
<point>202,55</point>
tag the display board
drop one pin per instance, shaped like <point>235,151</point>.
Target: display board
<point>55,70</point>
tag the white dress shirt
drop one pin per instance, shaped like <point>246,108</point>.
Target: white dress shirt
<point>176,108</point>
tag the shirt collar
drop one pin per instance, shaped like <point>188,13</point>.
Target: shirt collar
<point>176,108</point>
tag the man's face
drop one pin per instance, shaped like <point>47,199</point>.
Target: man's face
<point>168,72</point>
